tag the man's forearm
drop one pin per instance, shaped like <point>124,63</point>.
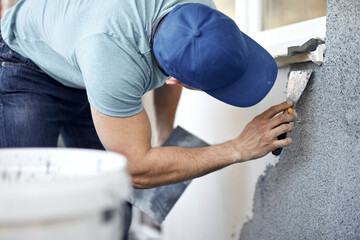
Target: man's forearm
<point>174,164</point>
<point>166,99</point>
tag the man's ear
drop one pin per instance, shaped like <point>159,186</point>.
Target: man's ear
<point>172,82</point>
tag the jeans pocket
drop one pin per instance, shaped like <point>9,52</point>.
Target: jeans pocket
<point>9,57</point>
<point>20,64</point>
<point>2,127</point>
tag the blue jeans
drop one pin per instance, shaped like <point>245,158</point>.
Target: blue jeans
<point>35,109</point>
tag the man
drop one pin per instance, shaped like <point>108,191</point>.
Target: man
<point>69,64</point>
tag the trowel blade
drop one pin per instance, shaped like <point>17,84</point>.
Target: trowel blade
<point>158,202</point>
<point>297,84</point>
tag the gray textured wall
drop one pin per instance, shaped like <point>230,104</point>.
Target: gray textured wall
<point>314,190</point>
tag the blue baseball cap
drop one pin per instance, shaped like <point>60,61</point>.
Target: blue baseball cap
<point>204,49</point>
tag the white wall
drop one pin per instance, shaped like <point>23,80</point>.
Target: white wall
<point>215,206</point>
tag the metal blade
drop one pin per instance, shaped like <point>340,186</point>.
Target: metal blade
<point>297,84</point>
<point>158,202</point>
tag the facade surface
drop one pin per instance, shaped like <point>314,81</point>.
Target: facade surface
<point>313,192</point>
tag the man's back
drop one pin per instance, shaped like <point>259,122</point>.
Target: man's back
<point>54,28</point>
<point>103,46</point>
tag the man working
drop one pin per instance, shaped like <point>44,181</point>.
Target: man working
<point>67,65</point>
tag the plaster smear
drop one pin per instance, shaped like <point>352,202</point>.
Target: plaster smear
<point>313,191</point>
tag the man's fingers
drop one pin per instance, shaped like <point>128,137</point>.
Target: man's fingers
<point>282,129</point>
<point>282,143</point>
<point>280,119</point>
<point>271,112</point>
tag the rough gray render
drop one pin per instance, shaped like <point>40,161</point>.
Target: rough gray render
<point>314,190</point>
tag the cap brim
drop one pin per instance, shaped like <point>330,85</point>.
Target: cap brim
<point>255,83</point>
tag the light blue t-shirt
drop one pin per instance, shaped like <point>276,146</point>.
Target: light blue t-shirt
<point>102,46</point>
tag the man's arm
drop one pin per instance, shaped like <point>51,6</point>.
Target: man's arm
<point>166,99</point>
<point>151,167</point>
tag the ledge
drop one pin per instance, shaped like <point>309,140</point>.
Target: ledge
<point>311,51</point>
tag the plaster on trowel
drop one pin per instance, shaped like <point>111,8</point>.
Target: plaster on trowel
<point>296,86</point>
<point>157,202</point>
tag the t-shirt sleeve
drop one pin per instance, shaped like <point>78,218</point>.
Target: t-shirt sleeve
<point>113,76</point>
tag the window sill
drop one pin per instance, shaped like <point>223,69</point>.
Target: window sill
<point>311,51</point>
<point>277,41</point>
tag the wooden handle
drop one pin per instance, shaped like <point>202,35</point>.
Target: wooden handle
<point>290,111</point>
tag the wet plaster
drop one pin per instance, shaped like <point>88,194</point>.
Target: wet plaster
<point>314,190</point>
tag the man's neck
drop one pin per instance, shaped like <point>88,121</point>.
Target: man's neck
<point>154,33</point>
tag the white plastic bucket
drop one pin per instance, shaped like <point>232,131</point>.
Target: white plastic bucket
<point>61,194</point>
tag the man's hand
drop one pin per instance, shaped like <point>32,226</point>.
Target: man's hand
<point>260,135</point>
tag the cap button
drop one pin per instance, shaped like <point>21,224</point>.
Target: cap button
<point>197,33</point>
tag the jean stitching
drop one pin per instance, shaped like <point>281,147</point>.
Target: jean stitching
<point>21,65</point>
<point>3,142</point>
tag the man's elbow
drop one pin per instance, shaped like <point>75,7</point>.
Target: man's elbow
<point>141,182</point>
<point>141,173</point>
<point>140,177</point>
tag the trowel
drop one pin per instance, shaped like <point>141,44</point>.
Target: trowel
<point>157,202</point>
<point>296,86</point>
